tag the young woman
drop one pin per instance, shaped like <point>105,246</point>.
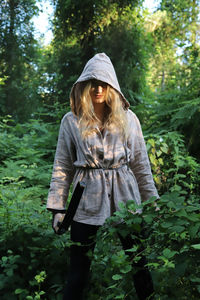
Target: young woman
<point>101,143</point>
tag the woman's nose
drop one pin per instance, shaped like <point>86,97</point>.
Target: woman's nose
<point>99,88</point>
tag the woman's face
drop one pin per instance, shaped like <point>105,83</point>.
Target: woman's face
<point>98,91</point>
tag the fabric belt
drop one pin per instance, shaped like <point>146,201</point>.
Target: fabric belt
<point>101,168</point>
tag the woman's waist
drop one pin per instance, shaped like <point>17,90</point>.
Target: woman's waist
<point>101,167</point>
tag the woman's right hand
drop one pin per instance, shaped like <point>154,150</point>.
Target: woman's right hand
<point>57,220</point>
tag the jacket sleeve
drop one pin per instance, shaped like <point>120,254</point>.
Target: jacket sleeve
<point>139,161</point>
<point>63,169</point>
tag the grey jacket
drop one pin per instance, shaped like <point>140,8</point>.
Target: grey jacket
<point>114,170</point>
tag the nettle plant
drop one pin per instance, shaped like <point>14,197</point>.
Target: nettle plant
<point>27,242</point>
<point>171,245</point>
<point>29,248</point>
<point>173,168</point>
<point>172,234</point>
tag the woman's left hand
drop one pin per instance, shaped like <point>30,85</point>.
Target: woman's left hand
<point>57,220</point>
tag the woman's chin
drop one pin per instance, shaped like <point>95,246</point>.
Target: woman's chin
<point>98,100</point>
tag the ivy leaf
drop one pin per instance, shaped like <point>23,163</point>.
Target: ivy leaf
<point>177,228</point>
<point>193,229</point>
<point>117,277</point>
<point>121,296</point>
<point>19,291</point>
<point>195,279</point>
<point>169,253</point>
<point>164,148</point>
<point>196,246</point>
<point>126,269</point>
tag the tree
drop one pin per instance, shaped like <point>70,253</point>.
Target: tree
<point>82,29</point>
<point>174,72</point>
<point>18,56</point>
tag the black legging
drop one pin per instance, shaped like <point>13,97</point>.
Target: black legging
<point>80,263</point>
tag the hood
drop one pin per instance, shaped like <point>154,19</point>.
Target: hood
<point>101,68</point>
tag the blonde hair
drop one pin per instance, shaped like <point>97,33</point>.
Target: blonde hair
<point>82,107</point>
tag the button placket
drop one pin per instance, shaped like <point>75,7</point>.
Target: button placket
<point>101,156</point>
<point>107,183</point>
<point>101,150</point>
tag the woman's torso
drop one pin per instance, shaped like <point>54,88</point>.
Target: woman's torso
<point>101,161</point>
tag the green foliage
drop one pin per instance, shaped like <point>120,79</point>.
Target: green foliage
<point>28,244</point>
<point>34,261</point>
<point>171,246</point>
<point>174,69</point>
<point>84,29</point>
<point>174,31</point>
<point>37,295</point>
<point>173,168</point>
<point>178,111</point>
<point>19,54</point>
<point>130,62</point>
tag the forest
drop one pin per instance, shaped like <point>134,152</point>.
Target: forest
<point>157,59</point>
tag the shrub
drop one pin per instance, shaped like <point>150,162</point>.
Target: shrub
<point>34,261</point>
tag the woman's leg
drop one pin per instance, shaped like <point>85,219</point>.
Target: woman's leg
<point>142,278</point>
<point>79,261</point>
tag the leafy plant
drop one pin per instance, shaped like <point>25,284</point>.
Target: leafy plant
<point>28,244</point>
<point>171,246</point>
<point>173,168</point>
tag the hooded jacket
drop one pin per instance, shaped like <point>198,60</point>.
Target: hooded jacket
<point>113,170</point>
<point>100,68</point>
